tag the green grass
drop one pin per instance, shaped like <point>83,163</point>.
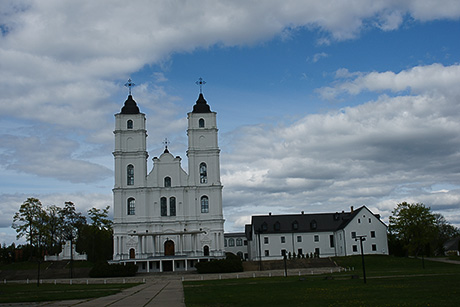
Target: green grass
<point>391,282</point>
<point>15,293</point>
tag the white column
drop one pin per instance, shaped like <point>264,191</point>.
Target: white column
<point>173,266</point>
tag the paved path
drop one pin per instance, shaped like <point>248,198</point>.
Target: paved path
<point>446,260</point>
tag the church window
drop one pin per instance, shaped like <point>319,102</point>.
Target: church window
<point>172,206</point>
<point>129,124</point>
<point>163,208</point>
<point>167,182</point>
<point>203,173</point>
<point>131,206</point>
<point>231,242</point>
<point>239,242</point>
<point>201,123</point>
<point>130,174</point>
<point>204,204</point>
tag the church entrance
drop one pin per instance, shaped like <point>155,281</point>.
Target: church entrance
<point>167,266</point>
<point>169,248</point>
<point>206,250</point>
<point>132,253</point>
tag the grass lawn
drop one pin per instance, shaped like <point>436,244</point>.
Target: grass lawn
<point>391,282</point>
<point>13,293</point>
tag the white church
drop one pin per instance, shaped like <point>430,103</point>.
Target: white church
<point>167,219</point>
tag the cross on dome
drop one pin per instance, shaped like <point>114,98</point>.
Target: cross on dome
<point>129,85</point>
<point>200,82</point>
<point>166,143</point>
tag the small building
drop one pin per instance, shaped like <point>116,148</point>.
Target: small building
<point>236,243</point>
<point>68,252</point>
<point>270,236</point>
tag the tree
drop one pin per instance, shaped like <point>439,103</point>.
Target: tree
<point>28,221</point>
<point>54,226</point>
<point>444,232</point>
<point>414,225</point>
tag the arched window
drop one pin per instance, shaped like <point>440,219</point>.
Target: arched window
<point>130,174</point>
<point>239,242</point>
<point>131,206</point>
<point>203,173</point>
<point>231,242</point>
<point>264,226</point>
<point>295,225</point>
<point>201,123</point>
<point>204,204</point>
<point>129,124</point>
<point>163,208</point>
<point>277,226</point>
<point>313,224</point>
<point>225,242</point>
<point>172,206</point>
<point>167,182</point>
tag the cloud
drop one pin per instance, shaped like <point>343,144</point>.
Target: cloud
<point>377,153</point>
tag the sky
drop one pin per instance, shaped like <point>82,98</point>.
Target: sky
<point>321,105</point>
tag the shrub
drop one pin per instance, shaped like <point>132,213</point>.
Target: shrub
<point>232,263</point>
<point>104,269</point>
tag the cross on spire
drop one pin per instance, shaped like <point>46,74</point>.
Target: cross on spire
<point>129,85</point>
<point>200,82</point>
<point>166,143</point>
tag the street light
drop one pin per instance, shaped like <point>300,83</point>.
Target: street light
<point>361,239</point>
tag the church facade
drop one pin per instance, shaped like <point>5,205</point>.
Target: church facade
<point>167,219</point>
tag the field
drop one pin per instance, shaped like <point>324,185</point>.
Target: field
<point>12,293</point>
<point>391,281</point>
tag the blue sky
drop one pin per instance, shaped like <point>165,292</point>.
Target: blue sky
<point>321,106</point>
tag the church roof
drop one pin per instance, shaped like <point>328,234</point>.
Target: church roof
<point>130,106</point>
<point>201,105</point>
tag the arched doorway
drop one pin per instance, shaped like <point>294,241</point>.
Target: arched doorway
<point>132,253</point>
<point>206,250</point>
<point>169,248</point>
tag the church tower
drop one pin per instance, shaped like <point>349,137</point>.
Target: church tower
<point>167,220</point>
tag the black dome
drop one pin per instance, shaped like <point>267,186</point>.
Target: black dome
<point>201,105</point>
<point>130,106</point>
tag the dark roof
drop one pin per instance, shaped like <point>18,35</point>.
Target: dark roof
<point>201,105</point>
<point>315,222</point>
<point>130,106</point>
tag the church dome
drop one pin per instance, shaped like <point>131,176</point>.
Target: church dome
<point>130,106</point>
<point>201,105</point>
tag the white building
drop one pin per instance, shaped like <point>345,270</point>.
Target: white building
<point>236,243</point>
<point>167,219</point>
<point>324,234</point>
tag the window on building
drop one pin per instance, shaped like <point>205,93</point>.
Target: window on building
<point>353,234</point>
<point>300,252</point>
<point>172,206</point>
<point>316,238</point>
<point>239,242</point>
<point>277,226</point>
<point>167,182</point>
<point>370,220</point>
<point>331,241</point>
<point>245,242</point>
<point>129,124</point>
<point>265,240</point>
<point>283,239</point>
<point>313,224</point>
<point>372,234</point>
<point>131,206</point>
<point>355,248</point>
<point>130,174</point>
<point>267,253</point>
<point>299,238</point>
<point>295,225</point>
<point>283,252</point>
<point>359,221</point>
<point>231,242</point>
<point>201,123</point>
<point>225,242</point>
<point>374,247</point>
<point>317,251</point>
<point>204,204</point>
<point>163,206</point>
<point>264,226</point>
<point>203,173</point>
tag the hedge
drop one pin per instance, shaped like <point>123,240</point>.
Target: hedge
<point>113,270</point>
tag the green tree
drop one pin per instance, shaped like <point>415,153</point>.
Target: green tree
<point>414,226</point>
<point>54,226</point>
<point>444,232</point>
<point>28,221</point>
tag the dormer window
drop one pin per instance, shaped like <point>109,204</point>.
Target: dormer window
<point>129,124</point>
<point>295,225</point>
<point>277,226</point>
<point>201,123</point>
<point>264,226</point>
<point>313,224</point>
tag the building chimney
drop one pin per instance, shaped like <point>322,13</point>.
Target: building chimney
<point>302,212</point>
<point>269,213</point>
<point>351,209</point>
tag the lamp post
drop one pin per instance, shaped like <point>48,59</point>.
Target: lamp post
<point>361,239</point>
